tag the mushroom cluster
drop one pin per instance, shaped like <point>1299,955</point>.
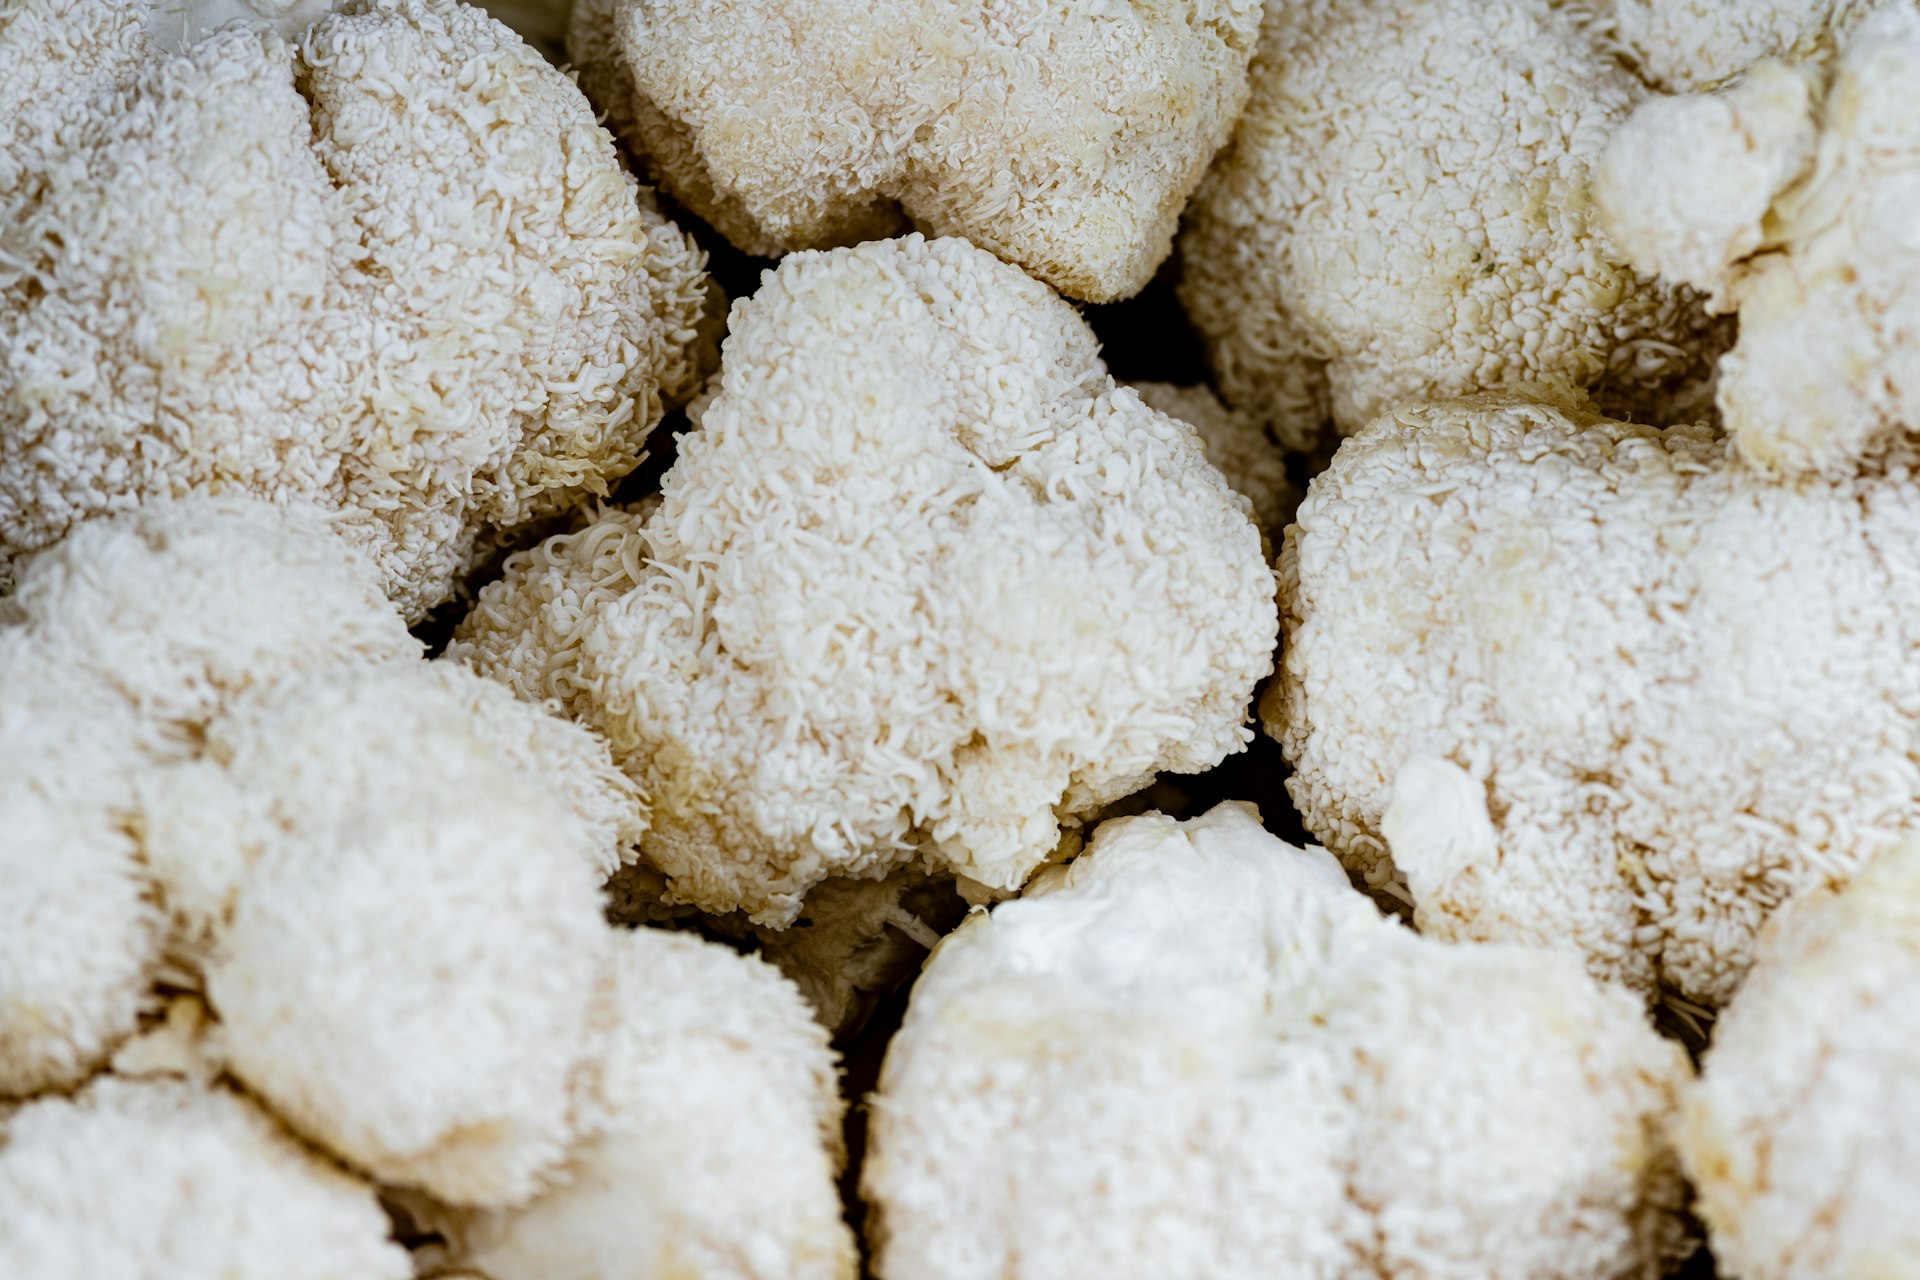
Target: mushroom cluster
<point>959,639</point>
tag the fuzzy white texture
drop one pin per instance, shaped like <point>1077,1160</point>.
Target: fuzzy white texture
<point>78,938</point>
<point>116,648</point>
<point>79,935</point>
<point>181,605</point>
<point>274,766</point>
<point>1684,45</point>
<point>407,973</point>
<point>225,762</point>
<point>1196,1052</point>
<point>394,268</point>
<point>1800,1135</point>
<point>608,815</point>
<point>1065,138</point>
<point>1237,444</point>
<point>713,1136</point>
<point>1686,183</point>
<point>1621,692</point>
<point>1403,213</point>
<point>924,585</point>
<point>1791,197</point>
<point>164,1180</point>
